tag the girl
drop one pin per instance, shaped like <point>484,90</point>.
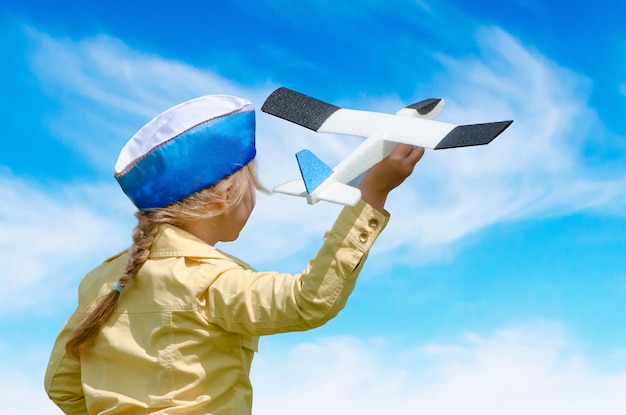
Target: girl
<point>171,324</point>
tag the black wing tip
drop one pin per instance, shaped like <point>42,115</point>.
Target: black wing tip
<point>298,108</point>
<point>278,95</point>
<point>473,135</point>
<point>425,106</point>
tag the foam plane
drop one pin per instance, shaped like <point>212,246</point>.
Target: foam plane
<point>414,125</point>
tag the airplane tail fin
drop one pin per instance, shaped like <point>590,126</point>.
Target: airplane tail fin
<point>313,170</point>
<point>429,109</point>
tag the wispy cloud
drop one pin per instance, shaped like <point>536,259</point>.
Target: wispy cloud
<point>23,393</point>
<point>519,370</point>
<point>21,385</point>
<point>49,238</point>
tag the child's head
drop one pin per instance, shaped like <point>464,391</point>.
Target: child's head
<point>187,148</point>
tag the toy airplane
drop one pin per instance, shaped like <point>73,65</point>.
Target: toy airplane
<point>412,125</point>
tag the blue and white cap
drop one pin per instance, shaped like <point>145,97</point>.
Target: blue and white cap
<point>186,149</point>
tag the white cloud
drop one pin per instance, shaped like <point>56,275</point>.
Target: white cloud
<point>21,380</point>
<point>49,236</point>
<point>532,369</point>
<point>23,393</point>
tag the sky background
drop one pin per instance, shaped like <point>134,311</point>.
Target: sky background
<point>499,285</point>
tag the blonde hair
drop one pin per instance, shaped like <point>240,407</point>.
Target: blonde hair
<point>209,202</point>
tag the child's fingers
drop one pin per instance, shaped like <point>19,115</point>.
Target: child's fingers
<point>402,150</point>
<point>407,150</point>
<point>407,153</point>
<point>416,154</point>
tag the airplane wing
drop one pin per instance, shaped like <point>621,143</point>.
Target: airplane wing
<point>323,117</point>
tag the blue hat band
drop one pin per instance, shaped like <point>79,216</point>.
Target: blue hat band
<point>194,160</point>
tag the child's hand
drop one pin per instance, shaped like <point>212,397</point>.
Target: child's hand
<point>388,174</point>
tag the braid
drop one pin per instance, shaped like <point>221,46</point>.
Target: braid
<point>143,236</point>
<point>89,326</point>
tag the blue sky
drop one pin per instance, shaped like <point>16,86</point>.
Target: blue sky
<point>499,285</point>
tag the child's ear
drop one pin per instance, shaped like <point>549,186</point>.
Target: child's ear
<point>224,196</point>
<point>226,192</point>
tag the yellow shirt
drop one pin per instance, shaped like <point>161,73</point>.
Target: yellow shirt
<point>184,332</point>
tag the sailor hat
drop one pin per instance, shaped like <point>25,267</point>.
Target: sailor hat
<point>186,149</point>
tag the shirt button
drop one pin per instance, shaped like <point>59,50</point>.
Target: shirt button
<point>373,223</point>
<point>363,236</point>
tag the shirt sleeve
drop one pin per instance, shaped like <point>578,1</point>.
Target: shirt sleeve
<point>261,303</point>
<point>63,377</point>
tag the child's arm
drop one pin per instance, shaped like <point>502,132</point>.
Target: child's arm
<point>388,174</point>
<point>261,303</point>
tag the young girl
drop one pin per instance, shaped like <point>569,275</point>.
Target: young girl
<point>170,325</point>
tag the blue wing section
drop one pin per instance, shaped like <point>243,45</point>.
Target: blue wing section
<point>313,170</point>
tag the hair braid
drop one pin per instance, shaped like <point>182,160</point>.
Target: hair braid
<point>143,237</point>
<point>89,326</point>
